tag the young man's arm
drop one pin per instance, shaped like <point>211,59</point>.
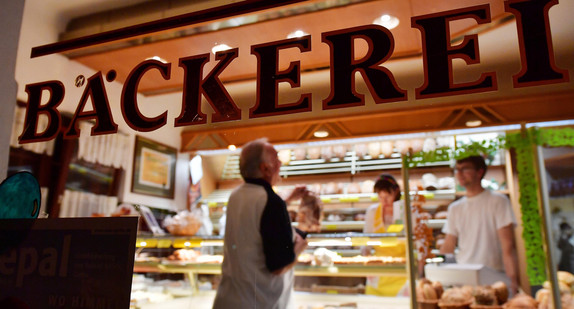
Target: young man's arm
<point>449,244</point>
<point>506,237</point>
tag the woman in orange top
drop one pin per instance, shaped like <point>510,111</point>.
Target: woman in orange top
<point>389,210</point>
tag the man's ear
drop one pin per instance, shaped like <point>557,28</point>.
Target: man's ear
<point>264,168</point>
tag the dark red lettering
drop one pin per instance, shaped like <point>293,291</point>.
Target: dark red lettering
<point>438,53</point>
<point>34,109</point>
<point>379,80</point>
<point>269,77</point>
<point>535,40</point>
<point>101,109</point>
<point>215,93</point>
<point>132,115</point>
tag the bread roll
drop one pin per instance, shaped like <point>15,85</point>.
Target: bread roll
<point>387,148</point>
<point>340,151</point>
<point>313,153</point>
<point>300,153</point>
<point>327,153</point>
<point>374,150</point>
<point>284,156</point>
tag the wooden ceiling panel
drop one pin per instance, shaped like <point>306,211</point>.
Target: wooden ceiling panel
<point>429,119</point>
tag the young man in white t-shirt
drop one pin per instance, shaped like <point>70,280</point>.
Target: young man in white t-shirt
<point>481,223</point>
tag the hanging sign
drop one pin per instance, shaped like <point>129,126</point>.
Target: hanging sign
<point>536,54</point>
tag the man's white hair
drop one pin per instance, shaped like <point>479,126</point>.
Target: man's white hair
<point>252,155</point>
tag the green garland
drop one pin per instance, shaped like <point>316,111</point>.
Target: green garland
<point>522,143</point>
<point>529,208</point>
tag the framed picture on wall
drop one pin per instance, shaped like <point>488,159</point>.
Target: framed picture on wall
<point>153,168</point>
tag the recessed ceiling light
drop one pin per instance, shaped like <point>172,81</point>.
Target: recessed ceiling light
<point>232,147</point>
<point>321,133</point>
<point>220,47</point>
<point>473,123</point>
<point>158,58</point>
<point>297,34</point>
<point>387,21</point>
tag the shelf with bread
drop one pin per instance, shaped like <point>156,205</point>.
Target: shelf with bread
<point>341,260</point>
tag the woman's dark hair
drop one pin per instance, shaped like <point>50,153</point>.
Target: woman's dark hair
<point>387,183</point>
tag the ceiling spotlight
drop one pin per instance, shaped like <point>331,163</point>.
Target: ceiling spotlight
<point>157,58</point>
<point>321,133</point>
<point>232,147</point>
<point>297,34</point>
<point>220,47</point>
<point>387,21</point>
<point>473,123</point>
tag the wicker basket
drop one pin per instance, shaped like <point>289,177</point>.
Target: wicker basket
<point>474,306</point>
<point>454,306</point>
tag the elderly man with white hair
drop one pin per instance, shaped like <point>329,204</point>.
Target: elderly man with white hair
<point>260,246</point>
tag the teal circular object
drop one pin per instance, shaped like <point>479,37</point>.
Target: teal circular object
<point>20,197</point>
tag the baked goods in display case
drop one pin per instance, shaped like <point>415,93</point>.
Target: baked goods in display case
<point>456,298</point>
<point>403,146</point>
<point>284,156</point>
<point>194,256</point>
<point>185,223</point>
<point>340,151</point>
<point>417,144</point>
<point>300,153</point>
<point>566,285</point>
<point>327,153</point>
<point>353,188</point>
<point>432,295</point>
<point>314,153</point>
<point>485,297</point>
<point>325,257</point>
<point>374,149</point>
<point>361,150</point>
<point>310,213</point>
<point>521,301</point>
<point>428,293</point>
<point>387,148</point>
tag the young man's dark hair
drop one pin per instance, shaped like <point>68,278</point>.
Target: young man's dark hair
<point>476,161</point>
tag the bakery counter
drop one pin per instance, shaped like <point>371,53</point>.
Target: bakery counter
<point>327,255</point>
<point>315,240</point>
<point>336,270</point>
<point>302,300</point>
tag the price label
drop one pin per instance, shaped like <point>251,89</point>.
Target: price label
<point>395,228</point>
<point>389,241</point>
<point>349,199</point>
<point>360,241</point>
<point>326,199</point>
<point>331,227</point>
<point>429,195</point>
<point>187,243</point>
<point>164,243</point>
<point>146,243</point>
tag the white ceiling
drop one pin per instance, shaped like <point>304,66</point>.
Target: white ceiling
<point>63,10</point>
<point>67,10</point>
